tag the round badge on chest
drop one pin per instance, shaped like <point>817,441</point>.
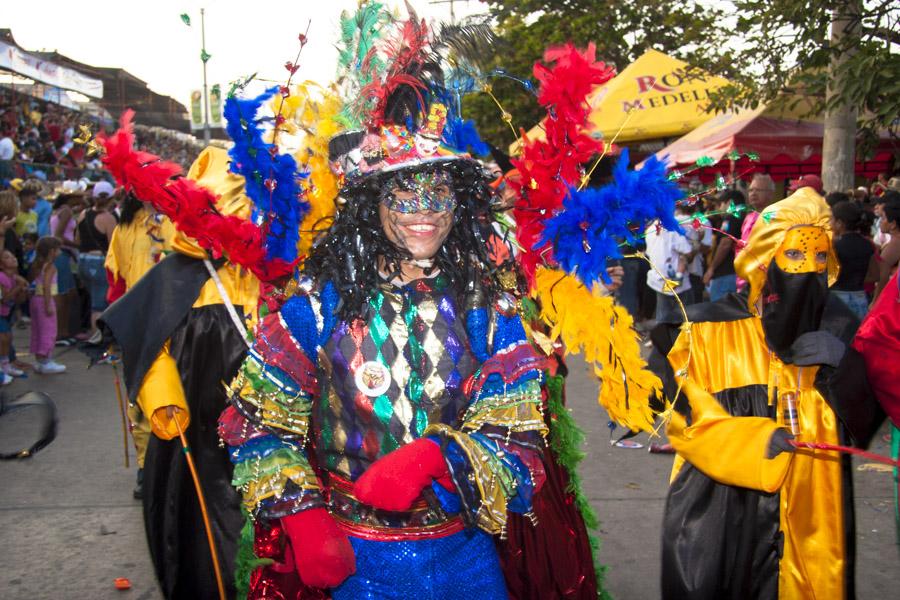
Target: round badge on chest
<point>373,378</point>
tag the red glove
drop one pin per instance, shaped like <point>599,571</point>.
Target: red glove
<point>394,481</point>
<point>322,553</point>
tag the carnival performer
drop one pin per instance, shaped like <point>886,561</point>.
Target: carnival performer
<point>402,370</point>
<point>140,240</point>
<point>747,516</point>
<point>174,371</point>
<point>393,429</point>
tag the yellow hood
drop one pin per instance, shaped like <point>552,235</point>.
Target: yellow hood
<point>803,207</point>
<point>211,171</point>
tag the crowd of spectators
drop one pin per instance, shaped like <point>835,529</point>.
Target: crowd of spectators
<point>174,146</point>
<point>37,138</point>
<point>52,275</point>
<point>699,264</point>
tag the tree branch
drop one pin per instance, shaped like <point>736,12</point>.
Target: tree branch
<point>882,33</point>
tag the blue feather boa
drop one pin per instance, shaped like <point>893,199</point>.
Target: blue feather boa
<point>282,208</point>
<point>586,234</point>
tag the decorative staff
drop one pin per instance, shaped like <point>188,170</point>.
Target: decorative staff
<point>122,412</point>
<point>209,536</point>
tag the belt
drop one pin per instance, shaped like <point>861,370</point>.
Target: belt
<point>360,520</point>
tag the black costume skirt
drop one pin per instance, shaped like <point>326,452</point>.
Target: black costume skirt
<point>208,350</point>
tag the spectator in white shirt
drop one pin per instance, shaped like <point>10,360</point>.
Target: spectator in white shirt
<point>7,151</point>
<point>701,240</point>
<point>668,252</point>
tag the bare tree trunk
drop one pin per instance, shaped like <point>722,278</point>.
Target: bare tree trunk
<point>839,143</point>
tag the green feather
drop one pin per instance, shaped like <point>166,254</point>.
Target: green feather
<point>360,33</point>
<point>246,560</point>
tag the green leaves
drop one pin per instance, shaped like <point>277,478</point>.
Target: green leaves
<point>622,31</point>
<point>789,45</point>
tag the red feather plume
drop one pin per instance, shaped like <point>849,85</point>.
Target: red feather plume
<point>549,166</point>
<point>190,206</point>
<point>407,53</point>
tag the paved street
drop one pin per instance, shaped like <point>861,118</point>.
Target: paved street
<point>69,527</point>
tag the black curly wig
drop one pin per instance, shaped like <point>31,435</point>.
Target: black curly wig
<point>347,255</point>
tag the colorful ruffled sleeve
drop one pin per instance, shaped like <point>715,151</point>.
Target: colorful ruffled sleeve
<point>494,457</point>
<point>267,424</point>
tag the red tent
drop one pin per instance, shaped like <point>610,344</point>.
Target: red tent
<point>786,147</point>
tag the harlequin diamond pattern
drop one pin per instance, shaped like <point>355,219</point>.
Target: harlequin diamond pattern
<point>418,336</point>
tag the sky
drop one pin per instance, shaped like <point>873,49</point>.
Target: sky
<point>149,40</point>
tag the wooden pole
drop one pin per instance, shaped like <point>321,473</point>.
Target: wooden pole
<point>123,413</point>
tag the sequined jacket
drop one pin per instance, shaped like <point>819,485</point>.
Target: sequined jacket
<point>318,400</point>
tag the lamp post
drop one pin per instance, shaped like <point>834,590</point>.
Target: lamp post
<point>204,57</point>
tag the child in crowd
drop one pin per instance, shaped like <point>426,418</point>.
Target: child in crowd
<point>43,305</point>
<point>15,290</point>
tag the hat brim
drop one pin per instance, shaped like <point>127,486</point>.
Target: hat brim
<point>465,171</point>
<point>411,166</point>
<point>69,195</point>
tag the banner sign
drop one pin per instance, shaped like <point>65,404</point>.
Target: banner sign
<point>55,95</point>
<point>215,106</point>
<point>196,110</point>
<point>15,60</point>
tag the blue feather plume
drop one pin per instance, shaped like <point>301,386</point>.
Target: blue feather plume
<point>459,134</point>
<point>282,208</point>
<point>587,232</point>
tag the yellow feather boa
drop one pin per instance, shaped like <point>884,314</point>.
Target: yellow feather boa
<point>589,322</point>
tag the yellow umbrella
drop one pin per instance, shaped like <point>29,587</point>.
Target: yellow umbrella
<point>651,99</point>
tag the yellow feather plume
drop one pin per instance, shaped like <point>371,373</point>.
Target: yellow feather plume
<point>308,113</point>
<point>590,323</point>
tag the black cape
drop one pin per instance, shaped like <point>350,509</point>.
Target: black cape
<point>208,350</point>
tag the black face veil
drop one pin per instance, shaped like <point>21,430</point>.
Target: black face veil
<point>793,304</point>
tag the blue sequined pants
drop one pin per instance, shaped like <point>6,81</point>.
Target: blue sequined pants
<point>463,565</point>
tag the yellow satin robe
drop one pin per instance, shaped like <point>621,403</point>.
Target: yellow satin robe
<point>732,450</point>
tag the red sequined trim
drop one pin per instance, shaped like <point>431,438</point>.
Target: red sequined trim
<point>279,349</point>
<point>399,534</point>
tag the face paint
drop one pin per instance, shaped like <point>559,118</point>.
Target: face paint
<point>419,192</point>
<point>804,250</point>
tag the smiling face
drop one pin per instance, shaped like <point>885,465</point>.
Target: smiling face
<point>804,250</point>
<point>416,212</point>
<point>420,233</point>
<point>426,145</point>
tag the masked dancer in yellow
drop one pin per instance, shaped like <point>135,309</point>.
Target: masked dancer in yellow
<point>747,515</point>
<point>139,241</point>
